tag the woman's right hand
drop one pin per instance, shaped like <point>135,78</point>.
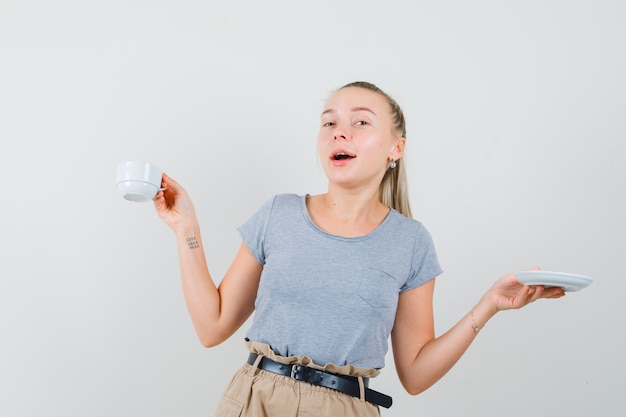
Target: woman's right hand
<point>173,204</point>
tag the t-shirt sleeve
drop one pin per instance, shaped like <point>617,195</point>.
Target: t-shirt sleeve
<point>254,229</point>
<point>425,264</point>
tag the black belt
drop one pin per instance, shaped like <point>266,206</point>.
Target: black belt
<point>343,383</point>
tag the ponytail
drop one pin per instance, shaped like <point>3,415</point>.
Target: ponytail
<point>394,191</point>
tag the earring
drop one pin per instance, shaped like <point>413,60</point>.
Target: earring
<point>393,164</point>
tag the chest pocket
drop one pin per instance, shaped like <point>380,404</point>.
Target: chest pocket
<point>378,289</point>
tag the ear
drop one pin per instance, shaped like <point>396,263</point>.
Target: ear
<point>397,150</point>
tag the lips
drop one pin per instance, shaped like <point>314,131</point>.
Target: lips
<point>342,155</point>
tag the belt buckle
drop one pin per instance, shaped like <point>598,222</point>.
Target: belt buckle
<point>294,371</point>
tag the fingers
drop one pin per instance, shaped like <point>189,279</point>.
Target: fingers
<point>159,200</point>
<point>554,292</point>
<point>160,194</point>
<point>534,292</point>
<point>540,291</point>
<point>166,197</point>
<point>168,182</point>
<point>529,294</point>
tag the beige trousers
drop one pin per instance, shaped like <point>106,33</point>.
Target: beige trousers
<point>253,392</point>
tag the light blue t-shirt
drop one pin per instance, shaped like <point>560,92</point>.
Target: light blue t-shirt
<point>328,297</point>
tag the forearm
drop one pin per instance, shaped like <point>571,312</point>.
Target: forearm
<point>439,355</point>
<point>201,294</point>
<point>216,312</point>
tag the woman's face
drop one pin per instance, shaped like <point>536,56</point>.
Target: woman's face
<point>357,139</point>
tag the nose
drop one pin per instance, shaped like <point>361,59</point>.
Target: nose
<point>341,133</point>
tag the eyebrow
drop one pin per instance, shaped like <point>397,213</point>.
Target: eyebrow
<point>354,109</point>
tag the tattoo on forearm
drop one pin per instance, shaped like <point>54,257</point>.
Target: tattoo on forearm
<point>193,243</point>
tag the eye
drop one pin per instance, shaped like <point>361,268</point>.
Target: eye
<point>361,123</point>
<point>328,124</point>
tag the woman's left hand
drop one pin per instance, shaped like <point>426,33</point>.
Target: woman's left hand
<point>508,293</point>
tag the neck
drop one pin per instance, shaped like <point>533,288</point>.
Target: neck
<point>346,213</point>
<point>353,205</point>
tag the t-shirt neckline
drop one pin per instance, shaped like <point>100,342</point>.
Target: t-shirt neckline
<point>314,226</point>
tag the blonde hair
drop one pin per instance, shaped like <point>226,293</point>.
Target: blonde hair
<point>393,188</point>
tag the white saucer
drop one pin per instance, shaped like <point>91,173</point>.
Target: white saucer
<point>567,281</point>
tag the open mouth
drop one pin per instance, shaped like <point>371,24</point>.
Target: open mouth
<point>340,156</point>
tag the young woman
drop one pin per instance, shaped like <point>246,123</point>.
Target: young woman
<point>330,277</point>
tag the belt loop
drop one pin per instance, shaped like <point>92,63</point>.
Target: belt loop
<point>256,363</point>
<point>361,389</point>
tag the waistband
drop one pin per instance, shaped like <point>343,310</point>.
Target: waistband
<point>346,384</point>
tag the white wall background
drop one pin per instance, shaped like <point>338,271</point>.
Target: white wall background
<point>517,145</point>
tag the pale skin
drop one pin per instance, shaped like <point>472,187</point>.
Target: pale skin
<point>358,123</point>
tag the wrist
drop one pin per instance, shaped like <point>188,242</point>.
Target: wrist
<point>186,228</point>
<point>481,313</point>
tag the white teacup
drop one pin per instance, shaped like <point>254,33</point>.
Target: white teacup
<point>138,181</point>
